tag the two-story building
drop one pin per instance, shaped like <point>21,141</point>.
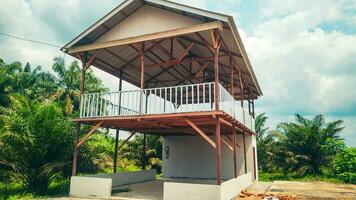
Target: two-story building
<point>196,88</point>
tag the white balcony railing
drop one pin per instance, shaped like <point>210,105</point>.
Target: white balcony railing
<point>233,107</point>
<point>165,100</point>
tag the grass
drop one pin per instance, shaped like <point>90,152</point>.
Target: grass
<point>11,190</point>
<point>277,176</point>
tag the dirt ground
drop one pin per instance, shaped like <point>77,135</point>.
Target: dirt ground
<point>281,190</point>
<point>299,190</point>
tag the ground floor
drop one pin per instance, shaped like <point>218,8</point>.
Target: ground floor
<point>152,190</point>
<point>189,172</point>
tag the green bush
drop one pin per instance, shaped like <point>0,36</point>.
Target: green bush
<point>344,165</point>
<point>347,177</point>
<point>35,142</point>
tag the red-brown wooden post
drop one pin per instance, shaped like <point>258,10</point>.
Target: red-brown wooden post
<point>218,151</point>
<point>234,150</point>
<point>241,86</point>
<point>233,131</point>
<point>142,58</point>
<point>144,152</point>
<point>81,90</point>
<point>254,163</point>
<point>245,159</point>
<point>75,154</point>
<point>216,47</point>
<point>118,130</point>
<point>253,108</point>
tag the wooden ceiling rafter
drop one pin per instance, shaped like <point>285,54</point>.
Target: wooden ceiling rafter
<point>182,56</point>
<point>152,60</point>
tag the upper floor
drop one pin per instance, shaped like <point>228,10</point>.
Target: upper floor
<point>181,59</point>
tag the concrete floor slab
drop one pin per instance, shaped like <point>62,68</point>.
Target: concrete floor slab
<point>150,190</point>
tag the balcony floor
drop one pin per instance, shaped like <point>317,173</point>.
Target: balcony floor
<point>169,124</point>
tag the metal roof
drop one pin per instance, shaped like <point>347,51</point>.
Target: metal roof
<point>113,57</point>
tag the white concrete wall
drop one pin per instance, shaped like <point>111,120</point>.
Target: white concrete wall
<point>147,20</point>
<point>250,143</point>
<point>193,157</point>
<point>240,161</point>
<point>124,178</point>
<point>90,187</point>
<point>233,187</point>
<point>189,191</point>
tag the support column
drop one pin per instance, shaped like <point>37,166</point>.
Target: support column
<point>249,106</point>
<point>144,152</point>
<point>118,130</point>
<point>142,58</point>
<point>218,151</point>
<point>253,108</point>
<point>81,90</point>
<point>241,86</point>
<point>233,131</point>
<point>216,47</point>
<point>234,150</point>
<point>245,159</point>
<point>75,154</point>
<point>254,163</point>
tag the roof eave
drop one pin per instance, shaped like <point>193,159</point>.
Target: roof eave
<point>96,24</point>
<point>244,54</point>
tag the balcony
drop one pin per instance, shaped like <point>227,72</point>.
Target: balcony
<point>164,100</point>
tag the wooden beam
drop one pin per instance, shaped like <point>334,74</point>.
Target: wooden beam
<point>245,158</point>
<point>127,139</point>
<point>138,53</point>
<point>254,162</point>
<point>233,132</point>
<point>216,73</point>
<point>142,59</point>
<point>201,133</point>
<point>225,122</point>
<point>153,116</point>
<point>227,143</point>
<point>91,60</point>
<point>75,153</point>
<point>89,134</point>
<point>201,43</point>
<point>164,51</point>
<point>165,69</point>
<point>148,37</point>
<point>144,146</point>
<point>154,124</point>
<point>148,57</point>
<point>117,130</point>
<point>218,151</point>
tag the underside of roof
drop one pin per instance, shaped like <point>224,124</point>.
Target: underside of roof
<point>191,49</point>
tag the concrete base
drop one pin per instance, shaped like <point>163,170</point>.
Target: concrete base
<point>183,188</point>
<point>100,185</point>
<point>90,187</point>
<point>124,178</point>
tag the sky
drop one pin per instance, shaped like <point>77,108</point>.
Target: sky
<point>303,52</point>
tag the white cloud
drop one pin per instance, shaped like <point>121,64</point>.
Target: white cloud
<point>301,67</point>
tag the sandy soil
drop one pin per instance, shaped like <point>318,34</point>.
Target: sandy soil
<point>301,190</point>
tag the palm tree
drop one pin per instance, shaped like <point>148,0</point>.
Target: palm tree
<point>68,81</point>
<point>35,142</point>
<point>17,79</point>
<point>265,143</point>
<point>7,80</point>
<point>302,144</point>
